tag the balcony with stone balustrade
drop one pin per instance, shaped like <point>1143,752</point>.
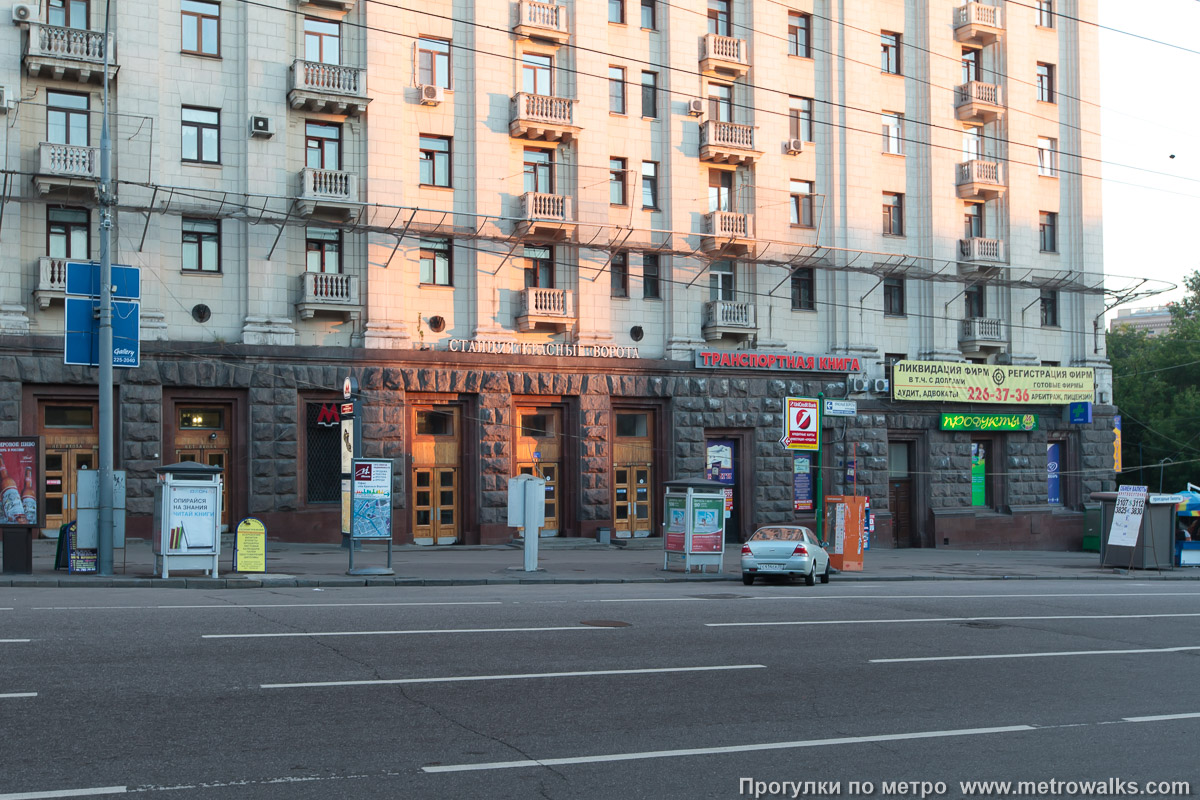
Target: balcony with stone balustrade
<point>536,116</point>
<point>67,169</point>
<point>981,335</point>
<point>728,319</point>
<point>68,54</point>
<point>547,21</point>
<point>728,234</point>
<point>727,143</point>
<point>328,88</point>
<point>341,5</point>
<point>553,308</point>
<point>978,103</point>
<point>724,57</point>
<point>980,180</point>
<point>979,257</point>
<point>52,281</point>
<point>329,293</point>
<point>978,24</point>
<point>331,192</point>
<point>546,216</point>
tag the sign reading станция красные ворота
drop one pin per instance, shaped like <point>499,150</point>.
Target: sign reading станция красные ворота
<point>941,381</point>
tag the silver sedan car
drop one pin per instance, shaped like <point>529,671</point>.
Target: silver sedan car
<point>784,550</point>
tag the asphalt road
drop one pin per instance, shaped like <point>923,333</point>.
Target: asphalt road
<point>604,691</point>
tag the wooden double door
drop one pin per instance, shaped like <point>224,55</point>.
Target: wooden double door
<point>633,473</point>
<point>203,434</point>
<point>436,497</point>
<point>72,444</point>
<point>539,452</point>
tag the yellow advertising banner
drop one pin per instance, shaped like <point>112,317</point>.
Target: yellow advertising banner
<point>950,381</point>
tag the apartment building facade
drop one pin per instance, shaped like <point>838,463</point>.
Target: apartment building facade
<point>597,241</point>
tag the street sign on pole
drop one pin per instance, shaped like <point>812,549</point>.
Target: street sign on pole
<point>81,344</point>
<point>83,278</point>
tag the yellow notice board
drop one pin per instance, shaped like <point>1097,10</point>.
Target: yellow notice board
<point>250,546</point>
<point>942,381</point>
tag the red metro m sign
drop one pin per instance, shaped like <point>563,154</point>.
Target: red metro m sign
<point>801,428</point>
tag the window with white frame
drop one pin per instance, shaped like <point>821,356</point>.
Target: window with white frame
<point>800,112</point>
<point>893,133</point>
<point>1045,13</point>
<point>802,203</point>
<point>1047,157</point>
<point>721,281</point>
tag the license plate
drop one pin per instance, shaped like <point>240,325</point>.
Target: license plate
<point>770,567</point>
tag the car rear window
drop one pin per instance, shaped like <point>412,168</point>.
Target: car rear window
<point>778,534</point>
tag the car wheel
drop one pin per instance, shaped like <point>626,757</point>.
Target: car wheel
<point>825,574</point>
<point>747,579</point>
<point>811,578</point>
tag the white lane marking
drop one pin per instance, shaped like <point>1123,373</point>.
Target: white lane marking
<point>17,694</point>
<point>941,619</point>
<point>1037,655</point>
<point>93,792</point>
<point>402,633</point>
<point>512,677</point>
<point>741,748</point>
<point>648,600</point>
<point>1161,718</point>
<point>265,605</point>
<point>823,596</point>
<point>13,641</point>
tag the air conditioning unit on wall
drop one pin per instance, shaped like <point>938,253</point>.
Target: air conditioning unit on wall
<point>795,146</point>
<point>695,107</point>
<point>23,12</point>
<point>858,384</point>
<point>432,95</point>
<point>882,385</point>
<point>262,127</point>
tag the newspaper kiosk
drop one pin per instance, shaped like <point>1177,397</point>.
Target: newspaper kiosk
<point>693,524</point>
<point>187,517</point>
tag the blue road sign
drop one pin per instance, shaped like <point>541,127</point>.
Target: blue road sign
<point>83,278</point>
<point>82,340</point>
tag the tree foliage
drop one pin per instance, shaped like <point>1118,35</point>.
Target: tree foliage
<point>1156,386</point>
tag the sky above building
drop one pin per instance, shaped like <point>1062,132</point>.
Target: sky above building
<point>1149,142</point>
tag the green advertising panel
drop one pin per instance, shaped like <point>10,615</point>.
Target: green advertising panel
<point>989,422</point>
<point>978,474</point>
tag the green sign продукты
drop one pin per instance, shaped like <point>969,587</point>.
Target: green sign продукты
<point>989,422</point>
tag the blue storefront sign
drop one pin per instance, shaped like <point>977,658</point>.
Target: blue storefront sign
<point>1079,413</point>
<point>82,339</point>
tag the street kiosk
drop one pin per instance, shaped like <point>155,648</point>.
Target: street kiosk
<point>187,517</point>
<point>693,524</point>
<point>1150,540</point>
<point>844,515</point>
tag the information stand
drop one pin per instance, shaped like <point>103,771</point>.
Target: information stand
<point>21,500</point>
<point>845,514</point>
<point>693,524</point>
<point>250,546</point>
<point>371,510</point>
<point>187,518</point>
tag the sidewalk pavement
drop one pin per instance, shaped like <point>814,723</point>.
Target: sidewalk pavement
<point>561,561</point>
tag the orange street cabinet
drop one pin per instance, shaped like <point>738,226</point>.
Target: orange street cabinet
<point>844,516</point>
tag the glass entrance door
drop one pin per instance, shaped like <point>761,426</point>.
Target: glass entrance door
<point>539,452</point>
